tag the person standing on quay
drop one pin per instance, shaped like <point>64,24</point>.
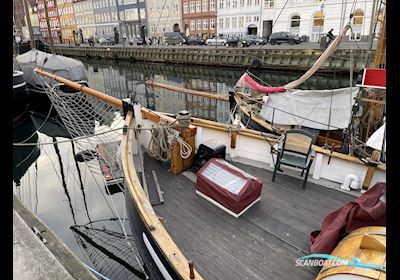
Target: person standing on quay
<point>59,36</point>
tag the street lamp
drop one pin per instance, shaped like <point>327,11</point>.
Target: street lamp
<point>321,23</point>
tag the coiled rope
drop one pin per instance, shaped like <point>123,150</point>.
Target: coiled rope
<point>162,138</point>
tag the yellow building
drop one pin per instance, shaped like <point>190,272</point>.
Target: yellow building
<point>67,21</point>
<point>34,22</point>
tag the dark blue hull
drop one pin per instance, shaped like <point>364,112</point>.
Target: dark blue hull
<point>147,247</point>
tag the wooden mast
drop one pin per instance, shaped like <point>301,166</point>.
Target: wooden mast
<point>48,25</point>
<point>380,55</point>
<point>28,20</point>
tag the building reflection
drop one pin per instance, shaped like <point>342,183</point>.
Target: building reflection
<point>123,79</point>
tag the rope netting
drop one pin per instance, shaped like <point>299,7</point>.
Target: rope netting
<point>108,252</point>
<point>96,128</point>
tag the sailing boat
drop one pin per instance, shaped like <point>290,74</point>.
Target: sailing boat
<point>264,241</point>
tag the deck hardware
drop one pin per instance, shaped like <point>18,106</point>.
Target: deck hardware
<point>127,106</point>
<point>191,270</point>
<point>39,234</point>
<point>152,227</point>
<point>125,129</point>
<point>159,191</point>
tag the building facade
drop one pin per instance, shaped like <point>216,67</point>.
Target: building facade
<point>85,18</point>
<point>314,18</point>
<point>199,18</point>
<point>239,17</point>
<point>162,18</point>
<point>18,17</point>
<point>106,17</point>
<point>54,20</point>
<point>34,23</point>
<point>67,20</point>
<point>133,18</point>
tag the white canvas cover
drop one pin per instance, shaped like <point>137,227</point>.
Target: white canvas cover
<point>59,65</point>
<point>310,108</point>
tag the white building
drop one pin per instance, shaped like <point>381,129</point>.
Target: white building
<point>239,17</point>
<point>315,17</point>
<point>163,17</point>
<point>84,17</point>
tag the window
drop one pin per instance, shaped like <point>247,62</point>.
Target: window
<point>248,18</point>
<point>185,8</point>
<point>358,17</point>
<point>221,4</point>
<point>199,24</point>
<point>205,6</point>
<point>176,8</point>
<point>268,4</point>
<point>256,2</point>
<point>212,23</point>
<point>241,3</point>
<point>234,4</point>
<point>220,23</point>
<point>241,21</point>
<point>198,6</point>
<point>192,7</point>
<point>295,21</point>
<point>212,5</point>
<point>256,18</point>
<point>192,25</point>
<point>318,19</point>
<point>249,2</point>
<point>227,22</point>
<point>234,22</point>
<point>205,24</point>
<point>228,3</point>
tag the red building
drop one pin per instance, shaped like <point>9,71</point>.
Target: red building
<point>54,20</point>
<point>199,17</point>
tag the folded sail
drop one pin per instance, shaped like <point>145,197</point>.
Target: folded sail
<point>246,81</point>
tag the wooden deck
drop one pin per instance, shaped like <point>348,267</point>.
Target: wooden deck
<point>263,243</point>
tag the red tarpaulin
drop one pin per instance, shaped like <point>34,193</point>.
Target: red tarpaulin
<point>227,185</point>
<point>374,78</point>
<point>367,210</point>
<point>248,81</point>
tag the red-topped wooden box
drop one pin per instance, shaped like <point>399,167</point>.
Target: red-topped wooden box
<point>228,187</point>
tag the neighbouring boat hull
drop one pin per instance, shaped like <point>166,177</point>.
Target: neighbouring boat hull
<point>156,265</point>
<point>21,98</point>
<point>251,124</point>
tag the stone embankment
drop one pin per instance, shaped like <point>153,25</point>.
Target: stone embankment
<point>282,59</point>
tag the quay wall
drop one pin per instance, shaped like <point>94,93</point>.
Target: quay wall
<point>282,59</point>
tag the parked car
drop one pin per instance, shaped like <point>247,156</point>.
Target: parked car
<point>236,42</point>
<point>175,38</point>
<point>284,37</point>
<point>196,41</point>
<point>106,41</point>
<point>255,39</point>
<point>216,41</point>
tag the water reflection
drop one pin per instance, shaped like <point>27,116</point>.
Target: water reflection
<point>24,157</point>
<point>107,249</point>
<point>66,193</point>
<point>121,79</point>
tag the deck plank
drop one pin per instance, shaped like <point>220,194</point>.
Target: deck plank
<point>263,243</point>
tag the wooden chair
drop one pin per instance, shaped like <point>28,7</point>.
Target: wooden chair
<point>295,150</point>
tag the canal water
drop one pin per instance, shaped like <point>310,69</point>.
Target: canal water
<point>66,195</point>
